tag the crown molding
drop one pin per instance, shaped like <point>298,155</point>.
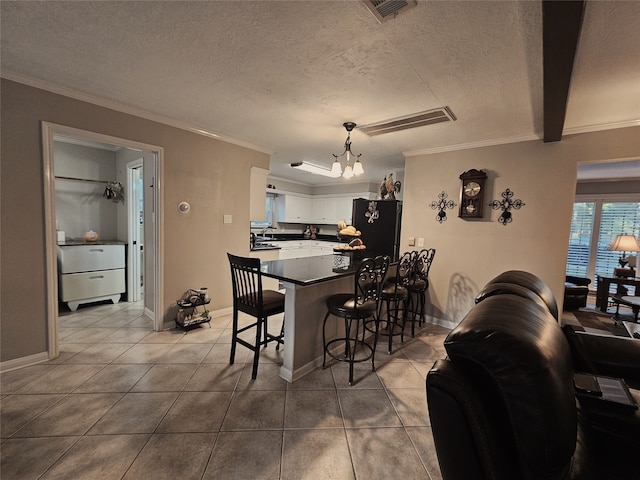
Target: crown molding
<point>101,102</point>
<point>603,126</point>
<point>522,138</point>
<point>469,145</point>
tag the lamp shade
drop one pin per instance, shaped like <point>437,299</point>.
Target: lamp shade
<point>357,167</point>
<point>625,243</point>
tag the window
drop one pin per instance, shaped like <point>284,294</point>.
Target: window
<point>580,239</point>
<point>616,218</point>
<point>594,225</point>
<point>270,209</point>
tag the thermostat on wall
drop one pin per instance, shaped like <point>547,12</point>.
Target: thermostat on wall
<point>184,207</point>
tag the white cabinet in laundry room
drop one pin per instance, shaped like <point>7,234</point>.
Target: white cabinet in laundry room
<point>90,273</point>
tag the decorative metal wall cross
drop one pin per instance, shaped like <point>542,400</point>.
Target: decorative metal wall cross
<point>442,204</point>
<point>506,204</point>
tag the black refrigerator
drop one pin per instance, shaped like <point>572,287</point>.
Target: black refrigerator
<point>380,222</point>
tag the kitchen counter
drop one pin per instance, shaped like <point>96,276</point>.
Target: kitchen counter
<point>283,237</point>
<point>81,241</point>
<point>307,283</point>
<point>259,248</point>
<point>309,270</point>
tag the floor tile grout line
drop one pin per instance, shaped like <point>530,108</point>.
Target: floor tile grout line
<point>238,387</point>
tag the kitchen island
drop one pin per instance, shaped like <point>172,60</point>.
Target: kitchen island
<point>308,282</point>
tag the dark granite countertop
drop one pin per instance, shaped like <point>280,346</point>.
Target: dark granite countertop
<point>282,237</point>
<point>72,242</point>
<point>311,270</point>
<point>261,248</point>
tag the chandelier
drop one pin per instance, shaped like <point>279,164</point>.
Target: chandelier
<point>349,171</point>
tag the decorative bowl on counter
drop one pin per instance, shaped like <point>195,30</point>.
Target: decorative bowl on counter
<point>91,236</point>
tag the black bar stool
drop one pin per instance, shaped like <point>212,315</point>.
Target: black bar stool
<point>395,297</point>
<point>249,298</point>
<point>355,308</point>
<point>418,285</point>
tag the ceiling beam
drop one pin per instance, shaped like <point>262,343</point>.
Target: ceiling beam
<point>561,25</point>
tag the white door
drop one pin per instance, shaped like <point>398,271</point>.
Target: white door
<point>135,230</point>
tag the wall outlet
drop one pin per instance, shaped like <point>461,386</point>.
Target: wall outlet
<point>421,242</point>
<point>412,241</point>
<point>228,219</point>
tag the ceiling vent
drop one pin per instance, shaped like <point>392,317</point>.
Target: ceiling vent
<point>388,9</point>
<point>428,117</point>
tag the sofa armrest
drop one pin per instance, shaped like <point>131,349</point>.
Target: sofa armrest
<point>606,355</point>
<point>581,281</point>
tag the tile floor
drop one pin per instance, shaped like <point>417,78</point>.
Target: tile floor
<point>124,402</point>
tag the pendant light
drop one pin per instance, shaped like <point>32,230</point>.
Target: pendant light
<point>349,170</point>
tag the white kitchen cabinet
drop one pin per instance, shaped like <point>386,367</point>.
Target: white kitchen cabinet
<point>293,208</point>
<point>324,210</point>
<point>257,194</point>
<point>322,248</point>
<point>329,210</point>
<point>90,273</point>
<point>343,209</point>
<point>304,248</point>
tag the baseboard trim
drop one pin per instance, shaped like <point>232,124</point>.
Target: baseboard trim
<point>440,322</point>
<point>22,362</point>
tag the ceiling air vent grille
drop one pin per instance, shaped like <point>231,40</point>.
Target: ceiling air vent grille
<point>428,117</point>
<point>387,9</point>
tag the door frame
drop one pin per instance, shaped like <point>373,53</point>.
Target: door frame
<point>51,256</point>
<point>133,233</point>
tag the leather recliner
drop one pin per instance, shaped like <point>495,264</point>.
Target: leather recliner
<point>502,404</point>
<point>518,282</point>
<point>606,355</point>
<point>576,291</point>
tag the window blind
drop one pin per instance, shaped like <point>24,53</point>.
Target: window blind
<point>617,218</point>
<point>592,236</point>
<point>580,238</point>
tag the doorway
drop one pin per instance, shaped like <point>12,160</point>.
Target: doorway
<point>135,230</point>
<point>147,180</point>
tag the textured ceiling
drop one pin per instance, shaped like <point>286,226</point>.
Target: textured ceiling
<point>283,76</point>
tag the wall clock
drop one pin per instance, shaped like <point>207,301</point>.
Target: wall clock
<point>471,193</point>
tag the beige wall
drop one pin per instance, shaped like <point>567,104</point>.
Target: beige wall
<point>214,177</point>
<point>210,174</point>
<point>470,253</point>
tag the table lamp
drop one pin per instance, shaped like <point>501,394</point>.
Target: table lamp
<point>624,244</point>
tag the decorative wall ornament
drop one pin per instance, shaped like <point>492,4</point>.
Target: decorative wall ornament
<point>388,188</point>
<point>372,212</point>
<point>442,205</point>
<point>506,204</point>
<point>114,191</point>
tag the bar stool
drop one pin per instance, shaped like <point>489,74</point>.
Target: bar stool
<point>249,298</point>
<point>355,308</point>
<point>418,285</point>
<point>395,297</point>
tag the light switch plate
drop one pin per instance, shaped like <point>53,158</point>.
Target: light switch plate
<point>421,242</point>
<point>228,219</point>
<point>412,241</point>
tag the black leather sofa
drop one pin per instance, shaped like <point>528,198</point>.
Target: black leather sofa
<point>502,403</point>
<point>523,284</point>
<point>606,355</point>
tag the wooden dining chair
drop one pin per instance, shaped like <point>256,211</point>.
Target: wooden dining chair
<point>251,299</point>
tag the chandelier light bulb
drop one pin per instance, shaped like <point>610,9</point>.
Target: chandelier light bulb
<point>336,168</point>
<point>348,171</point>
<point>357,167</point>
